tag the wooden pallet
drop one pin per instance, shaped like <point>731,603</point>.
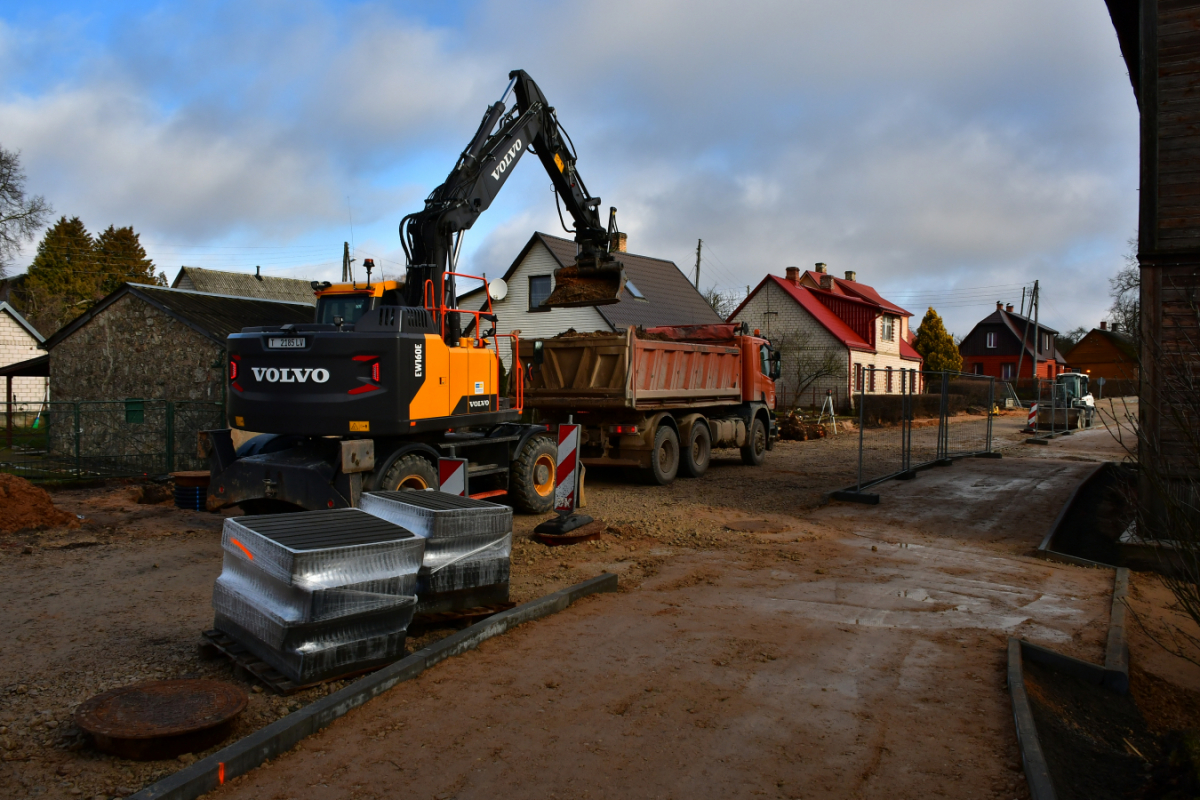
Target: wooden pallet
<point>459,618</point>
<point>214,644</point>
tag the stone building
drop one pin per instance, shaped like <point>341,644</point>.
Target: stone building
<point>834,334</point>
<point>20,341</point>
<point>150,342</point>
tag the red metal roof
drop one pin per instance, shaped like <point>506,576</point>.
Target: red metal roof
<point>807,298</point>
<point>857,290</point>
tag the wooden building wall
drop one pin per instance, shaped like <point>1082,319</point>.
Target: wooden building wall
<point>1168,82</point>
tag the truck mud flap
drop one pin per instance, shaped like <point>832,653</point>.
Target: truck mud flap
<point>304,476</point>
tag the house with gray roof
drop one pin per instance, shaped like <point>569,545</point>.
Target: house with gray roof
<point>243,284</point>
<point>657,293</point>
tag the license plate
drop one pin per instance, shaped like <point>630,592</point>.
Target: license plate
<point>273,342</point>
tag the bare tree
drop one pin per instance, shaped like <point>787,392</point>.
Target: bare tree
<point>804,363</point>
<point>20,218</point>
<point>1067,341</point>
<point>723,303</point>
<point>1125,290</point>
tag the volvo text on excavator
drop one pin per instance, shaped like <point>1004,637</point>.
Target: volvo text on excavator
<point>383,383</point>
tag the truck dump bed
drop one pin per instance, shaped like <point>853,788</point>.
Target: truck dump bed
<point>622,371</point>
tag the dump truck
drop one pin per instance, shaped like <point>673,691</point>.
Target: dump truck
<point>658,399</point>
<point>383,383</point>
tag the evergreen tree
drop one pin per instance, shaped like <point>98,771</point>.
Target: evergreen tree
<point>61,281</point>
<point>936,345</point>
<point>120,258</point>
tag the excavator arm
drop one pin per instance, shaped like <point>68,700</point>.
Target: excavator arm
<point>432,237</point>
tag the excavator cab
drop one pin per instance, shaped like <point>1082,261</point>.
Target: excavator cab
<point>345,303</point>
<point>595,279</point>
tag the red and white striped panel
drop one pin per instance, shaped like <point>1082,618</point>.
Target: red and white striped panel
<point>1033,415</point>
<point>565,499</point>
<point>452,476</point>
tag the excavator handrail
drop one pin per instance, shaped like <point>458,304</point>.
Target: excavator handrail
<point>444,309</point>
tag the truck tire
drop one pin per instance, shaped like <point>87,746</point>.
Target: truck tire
<point>664,458</point>
<point>531,476</point>
<point>409,473</point>
<point>755,448</point>
<point>696,452</point>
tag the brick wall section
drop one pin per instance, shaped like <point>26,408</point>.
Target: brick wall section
<point>133,350</point>
<point>785,322</point>
<point>16,344</point>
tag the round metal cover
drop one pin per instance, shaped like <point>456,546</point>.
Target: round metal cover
<point>161,719</point>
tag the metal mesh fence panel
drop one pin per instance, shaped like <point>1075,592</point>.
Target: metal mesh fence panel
<point>100,439</point>
<point>910,419</point>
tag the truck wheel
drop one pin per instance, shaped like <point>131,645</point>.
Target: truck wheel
<point>664,458</point>
<point>696,454</point>
<point>409,473</point>
<point>755,448</point>
<point>531,476</point>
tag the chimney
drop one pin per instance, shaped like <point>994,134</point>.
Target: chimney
<point>1103,325</point>
<point>1008,308</point>
<point>793,275</point>
<point>826,281</point>
<point>821,268</point>
<point>999,305</point>
<point>618,242</point>
<point>850,274</point>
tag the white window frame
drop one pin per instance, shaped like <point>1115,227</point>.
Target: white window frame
<point>991,339</point>
<point>888,328</point>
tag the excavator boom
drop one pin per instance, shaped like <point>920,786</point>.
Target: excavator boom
<point>431,237</point>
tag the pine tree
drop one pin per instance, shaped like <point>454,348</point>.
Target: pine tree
<point>120,258</point>
<point>936,345</point>
<point>61,281</point>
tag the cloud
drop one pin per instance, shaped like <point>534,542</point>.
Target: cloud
<point>931,145</point>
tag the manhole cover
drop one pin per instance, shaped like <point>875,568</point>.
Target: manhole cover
<point>161,719</point>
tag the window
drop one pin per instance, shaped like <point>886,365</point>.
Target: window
<point>764,357</point>
<point>889,329</point>
<point>888,381</point>
<point>540,287</point>
<point>872,368</point>
<point>978,369</point>
<point>1007,371</point>
<point>858,377</point>
<point>347,306</point>
<point>991,339</point>
<point>1045,342</point>
<point>633,290</point>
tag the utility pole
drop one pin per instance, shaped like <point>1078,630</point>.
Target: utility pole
<point>345,262</point>
<point>1036,300</point>
<point>699,244</point>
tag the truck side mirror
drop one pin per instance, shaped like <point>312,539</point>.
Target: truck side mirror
<point>539,355</point>
<point>776,365</point>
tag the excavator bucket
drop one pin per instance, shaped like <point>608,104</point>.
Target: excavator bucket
<point>588,282</point>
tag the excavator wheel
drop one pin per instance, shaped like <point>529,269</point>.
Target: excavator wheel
<point>409,473</point>
<point>531,476</point>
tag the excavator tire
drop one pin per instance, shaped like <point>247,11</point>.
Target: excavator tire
<point>531,476</point>
<point>409,473</point>
<point>755,449</point>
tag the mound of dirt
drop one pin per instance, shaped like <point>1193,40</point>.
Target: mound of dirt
<point>23,505</point>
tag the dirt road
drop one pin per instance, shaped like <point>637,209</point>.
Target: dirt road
<point>759,621</point>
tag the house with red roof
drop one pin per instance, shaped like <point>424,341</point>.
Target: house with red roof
<point>834,334</point>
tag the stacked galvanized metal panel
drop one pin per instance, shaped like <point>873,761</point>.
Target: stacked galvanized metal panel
<point>318,593</point>
<point>468,544</point>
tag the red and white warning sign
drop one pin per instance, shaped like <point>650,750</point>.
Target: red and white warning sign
<point>452,476</point>
<point>566,478</point>
<point>1033,415</point>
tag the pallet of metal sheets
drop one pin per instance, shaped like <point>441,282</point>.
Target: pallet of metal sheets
<point>467,550</point>
<point>318,593</point>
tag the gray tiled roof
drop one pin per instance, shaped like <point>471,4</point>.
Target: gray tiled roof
<point>243,284</point>
<point>670,297</point>
<point>211,315</point>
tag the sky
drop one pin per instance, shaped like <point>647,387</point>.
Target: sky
<point>948,151</point>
